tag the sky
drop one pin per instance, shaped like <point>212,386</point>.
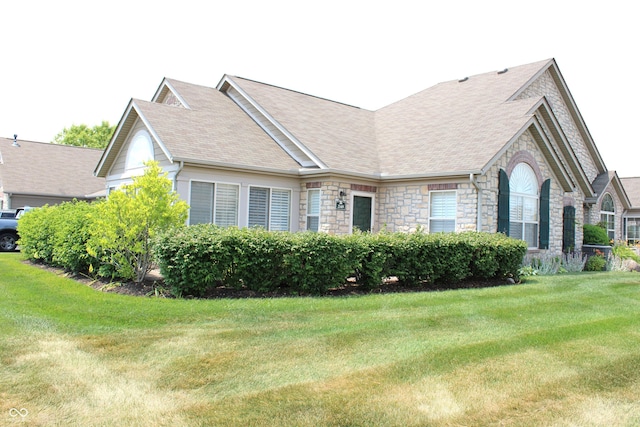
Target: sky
<point>80,62</point>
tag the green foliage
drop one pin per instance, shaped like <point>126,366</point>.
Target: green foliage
<point>198,257</point>
<point>57,235</point>
<point>84,136</point>
<point>595,263</point>
<point>595,235</point>
<point>623,251</point>
<point>125,223</point>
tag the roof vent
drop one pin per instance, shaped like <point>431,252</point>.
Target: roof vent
<point>15,141</point>
<point>463,80</point>
<point>503,71</point>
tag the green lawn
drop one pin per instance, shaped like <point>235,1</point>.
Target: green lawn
<point>555,351</point>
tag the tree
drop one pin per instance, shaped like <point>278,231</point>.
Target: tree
<point>124,225</point>
<point>83,136</point>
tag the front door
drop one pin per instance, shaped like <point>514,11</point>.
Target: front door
<point>361,213</point>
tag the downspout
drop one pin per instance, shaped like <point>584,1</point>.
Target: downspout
<point>175,177</point>
<point>473,181</point>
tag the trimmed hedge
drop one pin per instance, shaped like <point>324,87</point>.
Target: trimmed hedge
<point>196,258</point>
<point>57,235</point>
<point>595,235</point>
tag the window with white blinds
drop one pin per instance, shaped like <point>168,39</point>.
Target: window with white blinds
<point>523,205</point>
<point>313,210</point>
<point>212,202</point>
<point>442,211</point>
<point>269,208</point>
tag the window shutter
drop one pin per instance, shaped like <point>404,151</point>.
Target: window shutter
<point>226,212</point>
<point>544,214</point>
<point>503,203</point>
<point>280,207</point>
<point>258,207</point>
<point>569,229</point>
<point>201,203</point>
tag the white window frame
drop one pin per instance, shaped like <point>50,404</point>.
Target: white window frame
<point>312,214</point>
<point>270,205</point>
<point>609,217</point>
<point>453,217</point>
<point>522,197</point>
<point>635,239</point>
<point>214,205</point>
<point>140,150</point>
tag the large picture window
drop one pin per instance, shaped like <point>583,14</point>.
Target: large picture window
<point>269,208</point>
<point>608,215</point>
<point>632,227</point>
<point>442,211</point>
<point>214,203</point>
<point>523,205</point>
<point>313,210</point>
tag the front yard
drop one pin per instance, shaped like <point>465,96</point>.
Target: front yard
<point>557,350</point>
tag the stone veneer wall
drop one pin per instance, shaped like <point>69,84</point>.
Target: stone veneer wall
<point>592,215</point>
<point>546,86</point>
<point>525,147</point>
<point>332,220</point>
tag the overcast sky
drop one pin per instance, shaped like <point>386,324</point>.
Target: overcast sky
<point>80,62</point>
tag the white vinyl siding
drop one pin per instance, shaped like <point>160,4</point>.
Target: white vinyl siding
<point>269,208</point>
<point>442,211</point>
<point>313,210</point>
<point>213,203</point>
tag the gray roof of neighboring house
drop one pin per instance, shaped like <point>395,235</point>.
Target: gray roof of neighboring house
<point>632,188</point>
<point>38,168</point>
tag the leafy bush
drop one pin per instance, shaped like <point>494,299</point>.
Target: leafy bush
<point>595,263</point>
<point>595,235</point>
<point>124,225</point>
<point>623,251</point>
<point>198,257</point>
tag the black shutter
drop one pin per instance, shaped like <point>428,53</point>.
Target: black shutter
<point>544,214</point>
<point>569,229</point>
<point>503,203</point>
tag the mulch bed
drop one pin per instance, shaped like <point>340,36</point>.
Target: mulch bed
<point>154,285</point>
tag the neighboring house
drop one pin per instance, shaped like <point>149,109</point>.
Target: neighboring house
<point>631,224</point>
<point>503,151</point>
<point>35,173</point>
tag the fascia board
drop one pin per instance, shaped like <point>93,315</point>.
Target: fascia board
<point>227,80</point>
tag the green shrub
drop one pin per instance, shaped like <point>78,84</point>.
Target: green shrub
<point>595,235</point>
<point>37,233</point>
<point>595,263</point>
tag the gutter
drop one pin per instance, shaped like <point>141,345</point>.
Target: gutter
<point>473,181</point>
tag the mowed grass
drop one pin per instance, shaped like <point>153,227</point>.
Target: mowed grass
<point>555,351</point>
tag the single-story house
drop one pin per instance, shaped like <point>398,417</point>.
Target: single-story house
<point>36,173</point>
<point>504,151</point>
<point>631,219</point>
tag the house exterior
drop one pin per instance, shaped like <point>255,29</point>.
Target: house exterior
<point>501,151</point>
<point>35,173</point>
<point>631,218</point>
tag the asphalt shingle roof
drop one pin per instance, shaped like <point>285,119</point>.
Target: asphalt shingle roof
<point>48,169</point>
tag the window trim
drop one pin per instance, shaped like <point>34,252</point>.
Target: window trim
<point>516,195</point>
<point>136,142</point>
<point>318,215</point>
<point>610,216</point>
<point>215,199</point>
<point>455,216</point>
<point>270,204</point>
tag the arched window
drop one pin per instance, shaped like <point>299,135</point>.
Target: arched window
<point>523,205</point>
<point>608,215</point>
<point>140,150</point>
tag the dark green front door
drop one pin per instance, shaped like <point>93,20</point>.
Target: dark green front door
<point>361,213</point>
